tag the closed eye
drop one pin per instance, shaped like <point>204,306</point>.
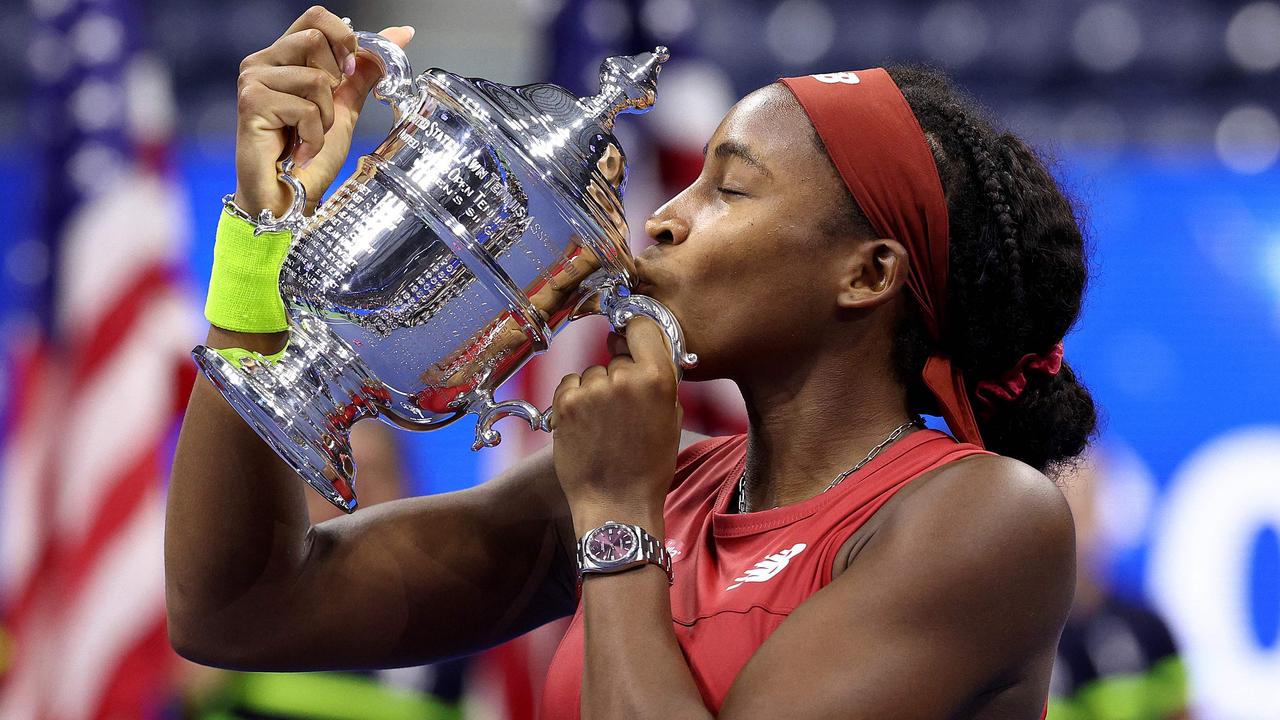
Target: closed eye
<point>730,191</point>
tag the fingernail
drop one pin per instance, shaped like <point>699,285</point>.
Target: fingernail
<point>349,65</point>
<point>412,32</point>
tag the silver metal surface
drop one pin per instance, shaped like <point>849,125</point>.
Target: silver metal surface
<point>645,548</point>
<point>292,220</point>
<point>489,218</point>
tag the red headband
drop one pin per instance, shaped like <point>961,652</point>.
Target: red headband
<point>881,153</point>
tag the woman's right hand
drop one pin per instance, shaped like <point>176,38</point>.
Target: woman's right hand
<point>310,80</point>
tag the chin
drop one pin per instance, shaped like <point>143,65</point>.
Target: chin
<point>691,335</point>
<point>707,367</point>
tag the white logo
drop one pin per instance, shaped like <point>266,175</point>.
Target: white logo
<point>767,568</point>
<point>675,548</point>
<point>846,78</point>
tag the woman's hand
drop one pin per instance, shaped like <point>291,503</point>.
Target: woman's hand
<point>617,432</point>
<point>310,80</point>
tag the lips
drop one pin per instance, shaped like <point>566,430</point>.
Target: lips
<point>644,284</point>
<point>644,287</point>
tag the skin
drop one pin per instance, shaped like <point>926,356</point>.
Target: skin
<point>382,479</point>
<point>948,605</point>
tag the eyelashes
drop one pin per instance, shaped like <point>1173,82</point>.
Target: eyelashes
<point>728,191</point>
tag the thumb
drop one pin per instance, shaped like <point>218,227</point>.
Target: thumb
<point>352,93</point>
<point>649,345</point>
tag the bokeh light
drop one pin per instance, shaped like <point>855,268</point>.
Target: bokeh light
<point>1253,37</point>
<point>799,32</point>
<point>956,33</point>
<point>1107,37</point>
<point>1248,139</point>
<point>668,20</point>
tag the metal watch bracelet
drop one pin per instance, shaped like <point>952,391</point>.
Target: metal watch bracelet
<point>648,550</point>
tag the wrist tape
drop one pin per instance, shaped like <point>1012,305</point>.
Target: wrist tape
<point>244,287</point>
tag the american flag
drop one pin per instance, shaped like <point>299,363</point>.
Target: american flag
<point>97,380</point>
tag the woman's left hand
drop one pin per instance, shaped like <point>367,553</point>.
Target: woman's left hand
<point>617,431</point>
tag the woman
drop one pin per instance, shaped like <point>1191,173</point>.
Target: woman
<point>849,261</point>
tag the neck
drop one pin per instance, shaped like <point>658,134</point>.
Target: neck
<point>810,426</point>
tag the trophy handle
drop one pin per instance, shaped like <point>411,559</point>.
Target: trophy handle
<point>293,219</point>
<point>491,412</point>
<point>621,306</point>
<point>396,88</point>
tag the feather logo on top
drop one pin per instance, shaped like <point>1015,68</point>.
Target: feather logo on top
<point>769,567</point>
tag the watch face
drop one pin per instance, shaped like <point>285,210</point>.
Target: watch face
<point>610,543</point>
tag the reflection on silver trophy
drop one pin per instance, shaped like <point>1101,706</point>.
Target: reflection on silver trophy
<point>489,218</point>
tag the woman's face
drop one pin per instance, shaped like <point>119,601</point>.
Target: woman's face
<point>741,256</point>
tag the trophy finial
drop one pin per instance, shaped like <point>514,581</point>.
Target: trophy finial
<point>628,84</point>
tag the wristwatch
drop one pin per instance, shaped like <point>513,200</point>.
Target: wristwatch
<point>614,547</point>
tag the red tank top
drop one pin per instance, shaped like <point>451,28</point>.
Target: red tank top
<point>737,577</point>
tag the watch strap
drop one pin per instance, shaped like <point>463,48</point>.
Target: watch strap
<point>650,550</point>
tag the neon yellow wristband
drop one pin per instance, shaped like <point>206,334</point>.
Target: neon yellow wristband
<point>244,287</point>
<point>236,356</point>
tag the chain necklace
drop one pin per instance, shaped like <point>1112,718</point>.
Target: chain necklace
<point>897,433</point>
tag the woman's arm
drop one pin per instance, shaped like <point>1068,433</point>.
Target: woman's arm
<point>250,584</point>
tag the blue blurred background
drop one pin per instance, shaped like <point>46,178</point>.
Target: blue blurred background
<point>1162,117</point>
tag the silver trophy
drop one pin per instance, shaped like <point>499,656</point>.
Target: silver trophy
<point>488,219</point>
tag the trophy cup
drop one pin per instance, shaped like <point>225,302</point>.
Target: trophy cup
<point>489,218</point>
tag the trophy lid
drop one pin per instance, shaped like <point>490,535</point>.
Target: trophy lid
<point>571,137</point>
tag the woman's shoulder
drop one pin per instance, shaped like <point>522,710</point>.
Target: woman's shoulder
<point>992,494</point>
<point>984,545</point>
<point>994,515</point>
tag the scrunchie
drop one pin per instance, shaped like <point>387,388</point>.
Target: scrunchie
<point>1010,386</point>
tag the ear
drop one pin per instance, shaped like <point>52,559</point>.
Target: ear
<point>875,271</point>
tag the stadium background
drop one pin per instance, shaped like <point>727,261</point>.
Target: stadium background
<point>1163,119</point>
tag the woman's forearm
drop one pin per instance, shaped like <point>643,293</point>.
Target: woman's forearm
<point>633,665</point>
<point>236,521</point>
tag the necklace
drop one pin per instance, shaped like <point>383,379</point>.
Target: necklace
<point>897,433</point>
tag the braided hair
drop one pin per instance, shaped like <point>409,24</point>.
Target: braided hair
<point>1016,276</point>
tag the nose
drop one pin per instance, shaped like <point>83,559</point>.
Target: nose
<point>665,227</point>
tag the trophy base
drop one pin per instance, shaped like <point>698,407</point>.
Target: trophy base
<point>303,404</point>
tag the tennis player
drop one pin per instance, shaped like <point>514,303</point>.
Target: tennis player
<point>859,249</point>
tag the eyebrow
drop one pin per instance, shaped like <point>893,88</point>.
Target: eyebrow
<point>733,148</point>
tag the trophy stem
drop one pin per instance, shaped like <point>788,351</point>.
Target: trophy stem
<point>303,404</point>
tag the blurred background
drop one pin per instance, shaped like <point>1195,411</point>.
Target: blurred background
<point>116,145</point>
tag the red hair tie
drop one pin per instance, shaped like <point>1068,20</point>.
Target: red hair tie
<point>1010,386</point>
